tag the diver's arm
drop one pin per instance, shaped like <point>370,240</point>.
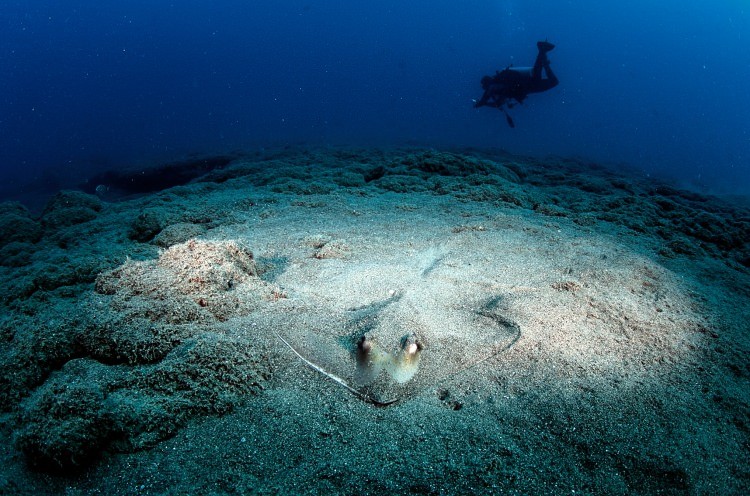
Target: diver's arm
<point>482,101</point>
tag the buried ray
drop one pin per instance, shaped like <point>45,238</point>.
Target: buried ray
<point>392,348</point>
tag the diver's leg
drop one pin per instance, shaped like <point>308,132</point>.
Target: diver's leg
<point>541,61</point>
<point>551,79</point>
<point>539,85</point>
<point>544,46</point>
<point>541,58</point>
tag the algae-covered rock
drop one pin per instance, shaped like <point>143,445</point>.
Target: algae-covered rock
<point>88,407</point>
<point>16,224</point>
<point>69,208</point>
<point>447,164</point>
<point>188,282</point>
<point>146,226</point>
<point>64,421</point>
<point>402,184</point>
<point>209,374</point>
<point>70,199</point>
<point>16,254</point>
<point>126,366</point>
<point>149,309</point>
<point>302,187</point>
<point>177,233</point>
<point>350,179</point>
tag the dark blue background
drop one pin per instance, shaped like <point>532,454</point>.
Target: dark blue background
<point>662,86</point>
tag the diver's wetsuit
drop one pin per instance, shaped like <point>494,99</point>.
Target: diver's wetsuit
<point>517,82</point>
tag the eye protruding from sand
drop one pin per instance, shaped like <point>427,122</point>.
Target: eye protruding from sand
<point>404,365</point>
<point>369,362</point>
<point>401,366</point>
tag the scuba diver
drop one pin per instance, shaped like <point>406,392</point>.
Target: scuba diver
<point>515,83</point>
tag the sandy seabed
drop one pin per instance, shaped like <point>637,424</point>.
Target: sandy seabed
<point>531,327</point>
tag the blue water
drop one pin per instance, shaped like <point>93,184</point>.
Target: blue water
<point>659,86</point>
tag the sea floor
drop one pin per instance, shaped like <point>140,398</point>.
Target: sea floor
<point>359,321</point>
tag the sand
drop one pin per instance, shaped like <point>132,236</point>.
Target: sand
<point>536,327</point>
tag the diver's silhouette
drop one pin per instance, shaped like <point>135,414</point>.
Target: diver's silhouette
<point>515,83</point>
